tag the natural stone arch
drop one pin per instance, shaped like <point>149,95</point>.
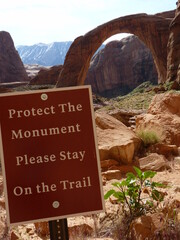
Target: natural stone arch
<point>153,30</point>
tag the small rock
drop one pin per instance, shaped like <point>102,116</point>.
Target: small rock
<point>81,230</point>
<point>14,236</point>
<point>1,185</point>
<point>106,164</point>
<point>164,149</point>
<point>42,228</point>
<point>154,162</point>
<point>112,174</point>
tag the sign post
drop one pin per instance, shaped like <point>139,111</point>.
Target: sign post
<point>49,155</point>
<point>58,229</point>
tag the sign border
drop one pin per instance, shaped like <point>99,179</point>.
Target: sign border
<point>96,148</point>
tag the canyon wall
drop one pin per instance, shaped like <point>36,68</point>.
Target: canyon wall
<point>11,66</point>
<point>121,66</point>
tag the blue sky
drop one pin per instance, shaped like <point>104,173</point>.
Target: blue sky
<point>46,21</point>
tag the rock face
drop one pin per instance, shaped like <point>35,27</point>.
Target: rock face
<point>11,66</point>
<point>173,60</point>
<point>163,117</point>
<point>121,65</point>
<point>115,140</point>
<point>153,30</point>
<point>47,76</point>
<point>145,226</point>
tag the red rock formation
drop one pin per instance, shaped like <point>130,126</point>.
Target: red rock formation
<point>115,140</point>
<point>121,66</point>
<point>173,59</point>
<point>153,30</point>
<point>163,117</point>
<point>47,76</point>
<point>11,66</point>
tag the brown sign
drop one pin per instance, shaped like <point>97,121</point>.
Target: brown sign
<point>49,154</point>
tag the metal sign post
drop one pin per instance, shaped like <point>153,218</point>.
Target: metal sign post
<point>58,229</point>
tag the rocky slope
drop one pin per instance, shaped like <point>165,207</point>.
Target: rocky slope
<point>11,66</point>
<point>121,66</point>
<point>120,150</point>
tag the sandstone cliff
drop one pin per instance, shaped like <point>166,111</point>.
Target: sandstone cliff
<point>173,58</point>
<point>121,66</point>
<point>11,66</point>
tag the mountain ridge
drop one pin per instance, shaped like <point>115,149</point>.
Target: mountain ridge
<point>44,54</point>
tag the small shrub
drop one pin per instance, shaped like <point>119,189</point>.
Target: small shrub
<point>148,137</point>
<point>130,191</point>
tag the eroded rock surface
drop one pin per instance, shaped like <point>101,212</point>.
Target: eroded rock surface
<point>153,162</point>
<point>173,60</point>
<point>163,117</point>
<point>115,140</point>
<point>47,76</point>
<point>121,66</point>
<point>11,66</point>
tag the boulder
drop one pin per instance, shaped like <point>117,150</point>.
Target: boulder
<point>121,66</point>
<point>125,116</point>
<point>145,226</point>
<point>164,149</point>
<point>112,174</point>
<point>153,162</point>
<point>163,117</point>
<point>11,66</point>
<point>106,164</point>
<point>115,140</point>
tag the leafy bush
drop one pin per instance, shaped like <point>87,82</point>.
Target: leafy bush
<point>148,137</point>
<point>130,191</point>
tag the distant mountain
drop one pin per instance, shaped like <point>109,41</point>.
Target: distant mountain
<point>44,54</point>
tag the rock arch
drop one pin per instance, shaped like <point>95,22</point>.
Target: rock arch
<point>153,30</point>
<point>173,59</point>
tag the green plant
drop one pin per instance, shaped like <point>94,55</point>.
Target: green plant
<point>137,193</point>
<point>148,137</point>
